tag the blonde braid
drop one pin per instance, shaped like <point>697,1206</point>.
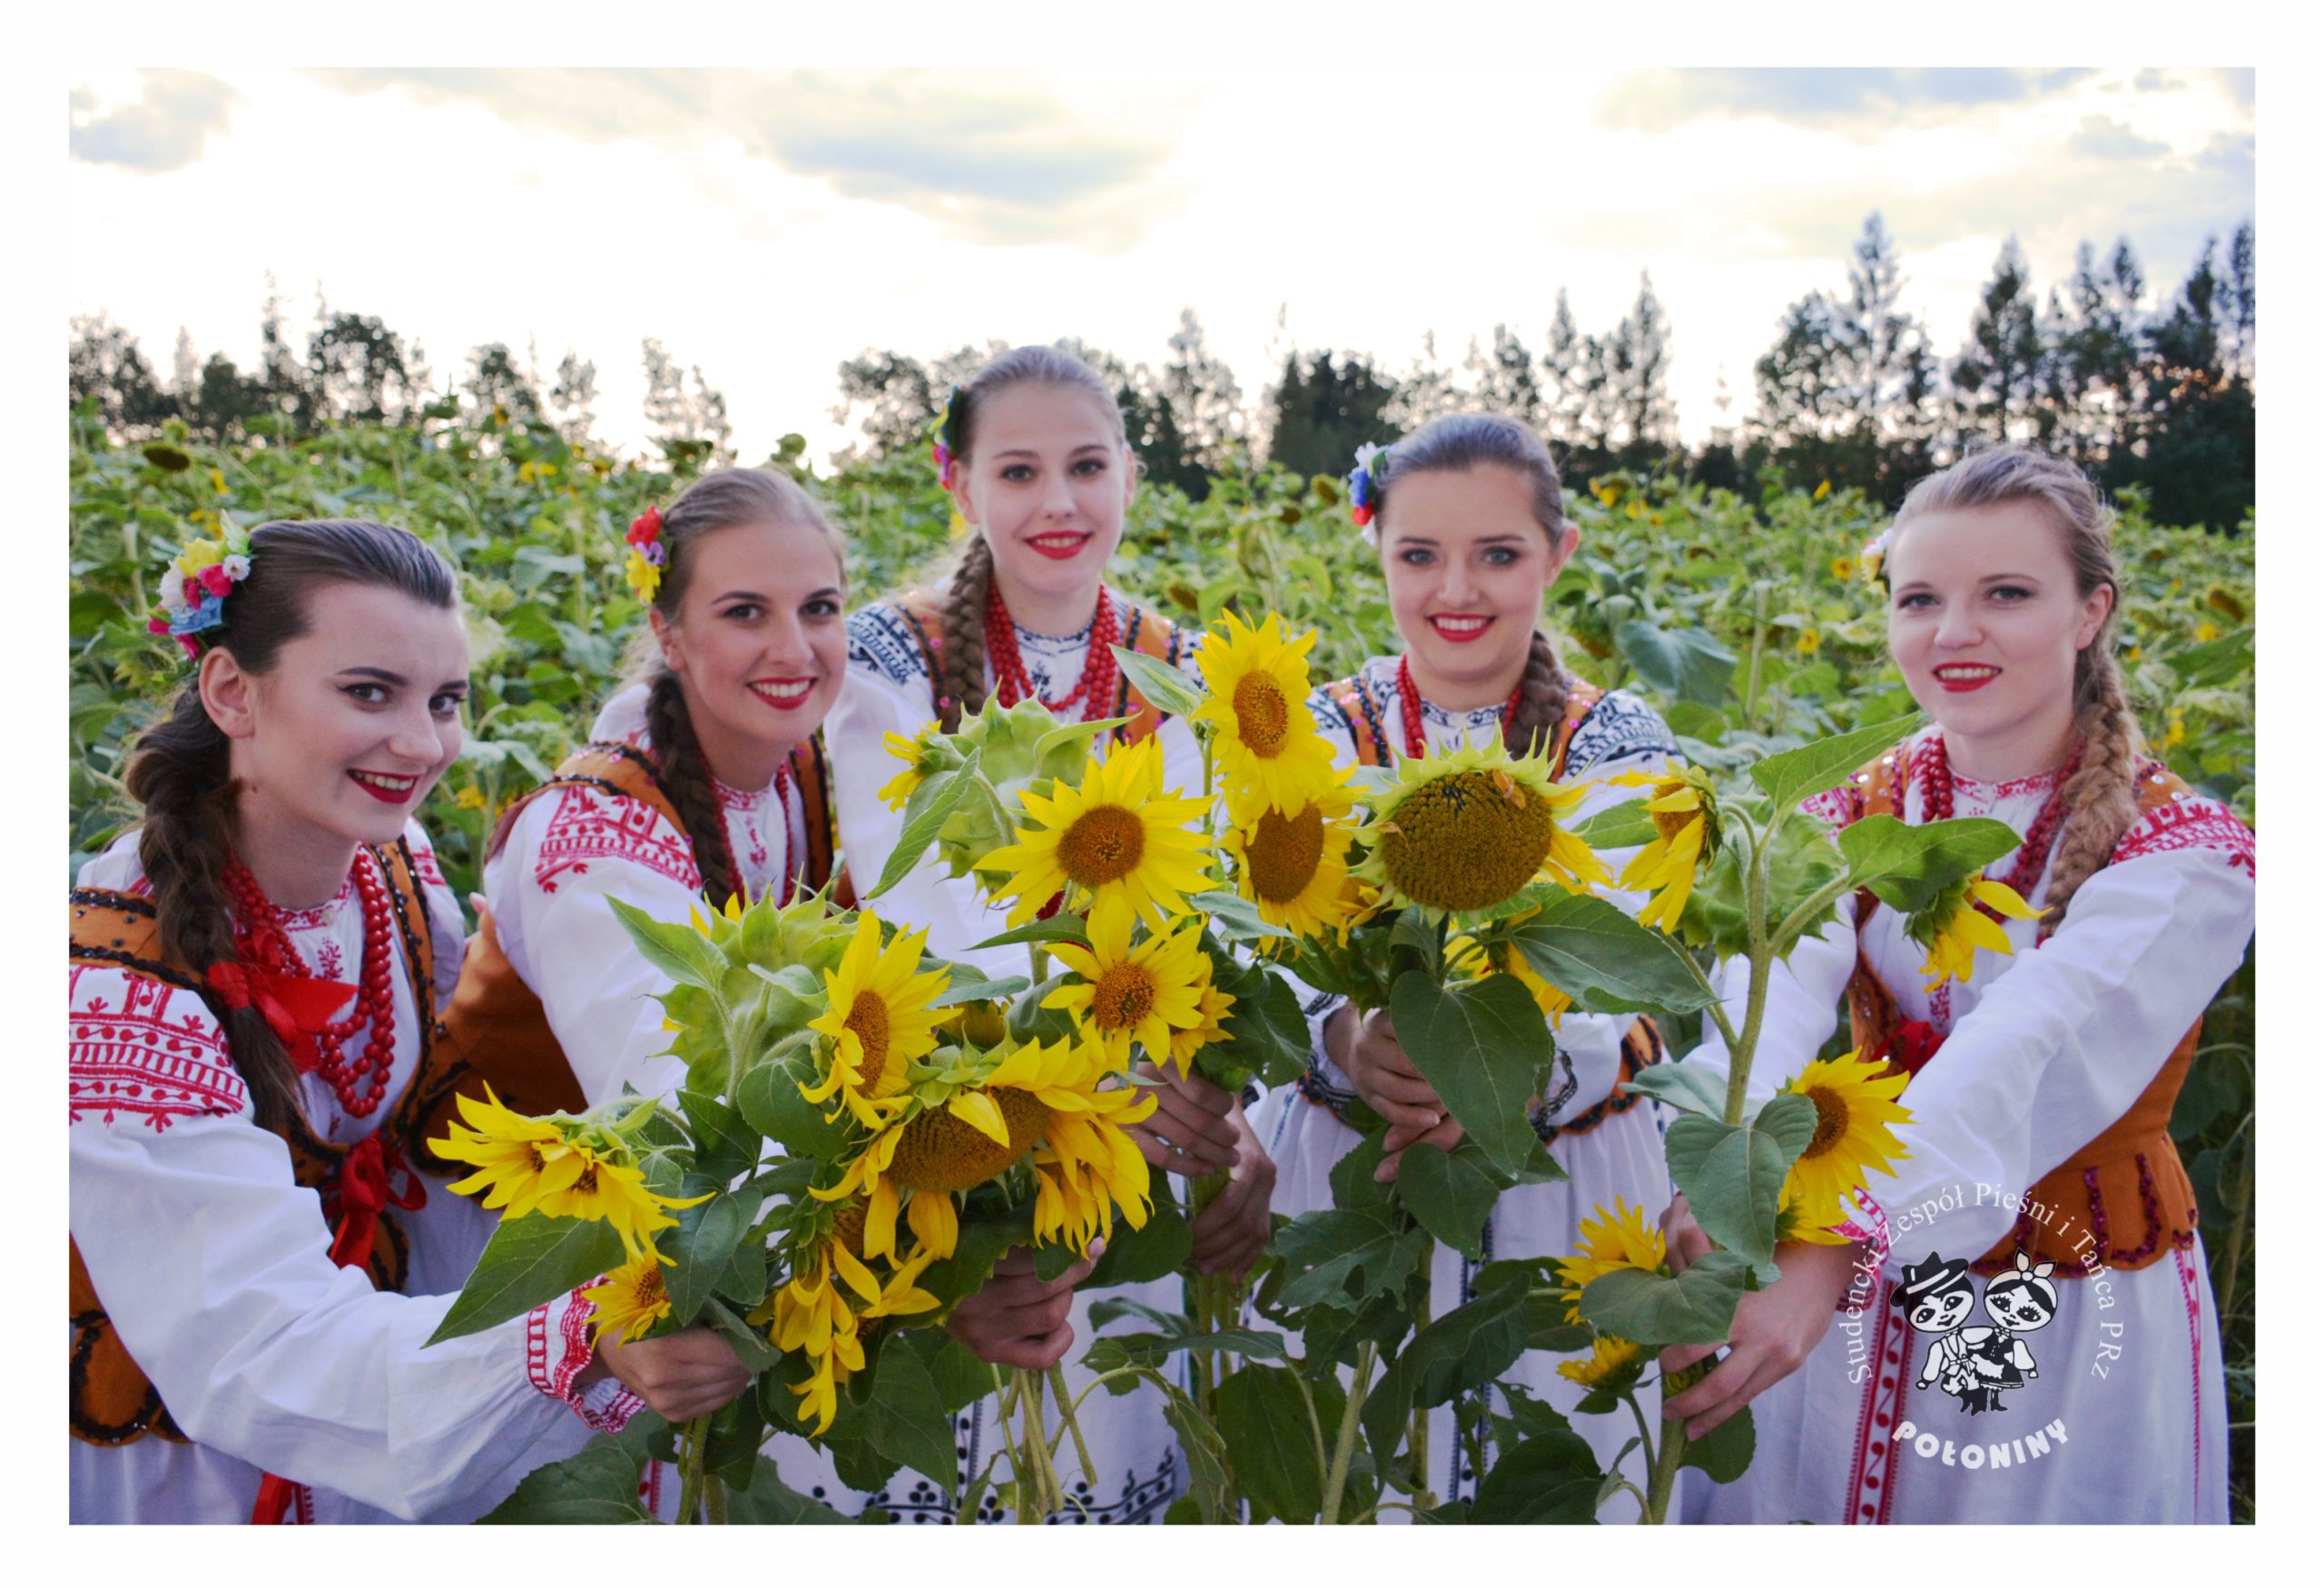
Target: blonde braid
<point>2102,797</point>
<point>960,668</point>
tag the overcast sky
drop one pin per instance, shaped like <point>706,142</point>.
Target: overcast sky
<point>766,224</point>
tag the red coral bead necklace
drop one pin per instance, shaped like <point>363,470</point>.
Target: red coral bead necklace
<point>358,1083</point>
<point>1100,671</point>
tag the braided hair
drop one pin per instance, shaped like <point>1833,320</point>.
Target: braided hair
<point>180,770</point>
<point>960,668</point>
<point>720,500</point>
<point>1458,443</point>
<point>2102,797</point>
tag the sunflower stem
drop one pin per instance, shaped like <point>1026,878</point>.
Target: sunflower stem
<point>1665,1475</point>
<point>692,1440</point>
<point>1343,1445</point>
<point>1065,1406</point>
<point>1760,595</point>
<point>1423,1495</point>
<point>1645,1435</point>
<point>1762,951</point>
<point>714,1499</point>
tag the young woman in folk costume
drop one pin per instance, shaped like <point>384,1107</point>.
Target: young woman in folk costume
<point>2042,1081</point>
<point>256,973</point>
<point>1033,451</point>
<point>705,779</point>
<point>1468,518</point>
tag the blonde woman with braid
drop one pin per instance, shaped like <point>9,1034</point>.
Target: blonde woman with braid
<point>1469,519</point>
<point>2041,1087</point>
<point>1034,452</point>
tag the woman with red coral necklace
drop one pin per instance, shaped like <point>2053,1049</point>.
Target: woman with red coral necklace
<point>256,975</point>
<point>2042,1086</point>
<point>1034,452</point>
<point>1468,517</point>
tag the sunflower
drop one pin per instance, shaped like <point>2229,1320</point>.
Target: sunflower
<point>909,749</point>
<point>1295,867</point>
<point>1211,1007</point>
<point>879,1022</point>
<point>1953,929</point>
<point>812,1314</point>
<point>968,1125</point>
<point>617,1193</point>
<point>1128,994</point>
<point>517,1159</point>
<point>1270,756</point>
<point>1472,958</point>
<point>1856,1102</point>
<point>629,1301</point>
<point>1611,1241</point>
<point>1463,834</point>
<point>1612,1365</point>
<point>1685,832</point>
<point>1116,840</point>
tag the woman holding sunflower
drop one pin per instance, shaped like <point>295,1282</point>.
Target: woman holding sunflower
<point>1468,515</point>
<point>1033,451</point>
<point>263,1234</point>
<point>2040,1079</point>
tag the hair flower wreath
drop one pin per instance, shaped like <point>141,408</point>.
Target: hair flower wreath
<point>195,585</point>
<point>945,437</point>
<point>647,554</point>
<point>1363,482</point>
<point>1876,553</point>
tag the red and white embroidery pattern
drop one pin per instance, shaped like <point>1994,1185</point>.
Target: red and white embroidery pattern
<point>144,1048</point>
<point>2194,823</point>
<point>586,825</point>
<point>1837,807</point>
<point>423,862</point>
<point>606,1405</point>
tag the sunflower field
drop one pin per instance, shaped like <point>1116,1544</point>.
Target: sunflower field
<point>1742,618</point>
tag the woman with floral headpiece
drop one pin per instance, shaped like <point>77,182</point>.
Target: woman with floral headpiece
<point>2041,1077</point>
<point>1468,517</point>
<point>263,1236</point>
<point>1033,449</point>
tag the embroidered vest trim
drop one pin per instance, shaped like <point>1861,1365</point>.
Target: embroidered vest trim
<point>110,1400</point>
<point>2133,1163</point>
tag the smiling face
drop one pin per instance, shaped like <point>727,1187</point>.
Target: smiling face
<point>1985,622</point>
<point>1047,481</point>
<point>759,643</point>
<point>2018,1306</point>
<point>1942,1313</point>
<point>1467,565</point>
<point>338,741</point>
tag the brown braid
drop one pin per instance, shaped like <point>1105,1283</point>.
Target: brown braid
<point>959,667</point>
<point>1540,699</point>
<point>686,776</point>
<point>179,774</point>
<point>2102,797</point>
<point>181,769</point>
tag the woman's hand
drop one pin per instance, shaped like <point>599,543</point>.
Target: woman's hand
<point>683,1375</point>
<point>1018,1320</point>
<point>1232,1231</point>
<point>1773,1330</point>
<point>1376,1064</point>
<point>1187,1133</point>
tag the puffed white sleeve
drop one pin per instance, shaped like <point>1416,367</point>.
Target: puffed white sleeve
<point>2067,1038</point>
<point>213,1266</point>
<point>568,855</point>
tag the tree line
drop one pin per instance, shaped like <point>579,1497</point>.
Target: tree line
<point>1853,391</point>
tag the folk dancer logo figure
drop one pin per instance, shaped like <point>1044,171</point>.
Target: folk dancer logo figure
<point>2020,1302</point>
<point>1937,1295</point>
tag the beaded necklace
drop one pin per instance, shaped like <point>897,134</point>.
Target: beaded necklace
<point>1408,696</point>
<point>1100,670</point>
<point>260,940</point>
<point>2033,854</point>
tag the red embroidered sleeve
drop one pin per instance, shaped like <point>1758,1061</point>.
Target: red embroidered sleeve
<point>557,1347</point>
<point>1836,807</point>
<point>2196,821</point>
<point>584,826</point>
<point>140,1048</point>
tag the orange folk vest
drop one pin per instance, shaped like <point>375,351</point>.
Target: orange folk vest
<point>1149,634</point>
<point>110,1399</point>
<point>1367,721</point>
<point>2133,1163</point>
<point>495,1023</point>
